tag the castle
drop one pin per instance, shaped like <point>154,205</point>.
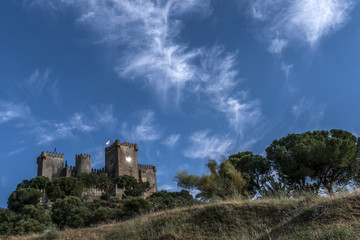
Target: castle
<point>120,159</point>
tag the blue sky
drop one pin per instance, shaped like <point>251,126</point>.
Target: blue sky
<point>187,80</point>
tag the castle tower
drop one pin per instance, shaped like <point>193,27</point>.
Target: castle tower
<point>50,164</point>
<point>147,173</point>
<point>82,163</point>
<point>121,159</point>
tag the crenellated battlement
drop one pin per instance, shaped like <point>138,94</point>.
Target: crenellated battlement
<point>52,154</point>
<point>118,143</point>
<point>82,156</point>
<point>120,159</point>
<point>131,145</point>
<point>98,171</point>
<point>146,166</point>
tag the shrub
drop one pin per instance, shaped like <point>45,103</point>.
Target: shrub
<point>6,221</point>
<point>167,200</point>
<point>23,196</point>
<point>70,211</point>
<point>63,187</point>
<point>135,206</point>
<point>28,226</point>
<point>102,214</point>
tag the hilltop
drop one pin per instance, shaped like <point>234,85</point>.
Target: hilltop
<point>305,218</point>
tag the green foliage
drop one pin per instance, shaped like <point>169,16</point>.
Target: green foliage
<point>63,187</point>
<point>71,212</point>
<point>24,184</point>
<point>23,196</point>
<point>325,157</point>
<point>89,180</point>
<point>28,226</point>
<point>100,215</point>
<point>135,206</point>
<point>223,182</point>
<point>39,182</point>
<point>105,182</point>
<point>38,212</point>
<point>6,221</point>
<point>256,167</point>
<point>164,200</point>
<point>133,187</point>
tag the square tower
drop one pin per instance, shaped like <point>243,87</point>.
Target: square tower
<point>121,159</point>
<point>50,164</point>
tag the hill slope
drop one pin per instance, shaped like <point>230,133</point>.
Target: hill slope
<point>326,218</point>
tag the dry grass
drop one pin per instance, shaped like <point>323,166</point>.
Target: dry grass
<point>305,218</point>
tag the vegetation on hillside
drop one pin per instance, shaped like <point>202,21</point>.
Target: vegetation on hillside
<point>308,164</point>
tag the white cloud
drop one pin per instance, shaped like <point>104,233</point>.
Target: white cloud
<point>15,151</point>
<point>287,69</point>
<point>205,146</point>
<point>220,81</point>
<point>305,21</point>
<point>49,131</point>
<point>171,140</point>
<point>10,111</point>
<point>146,32</point>
<point>167,187</point>
<point>307,111</point>
<point>104,114</point>
<point>146,130</point>
<point>37,81</point>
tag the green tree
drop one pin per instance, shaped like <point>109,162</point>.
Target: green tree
<point>105,183</point>
<point>6,221</point>
<point>24,184</point>
<point>32,219</point>
<point>222,182</point>
<point>40,182</point>
<point>63,187</point>
<point>164,200</point>
<point>326,157</point>
<point>135,206</point>
<point>89,180</point>
<point>71,212</point>
<point>256,167</point>
<point>23,196</point>
<point>132,186</point>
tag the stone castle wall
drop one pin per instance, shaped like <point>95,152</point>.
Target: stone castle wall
<point>120,159</point>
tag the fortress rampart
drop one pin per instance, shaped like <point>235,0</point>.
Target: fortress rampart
<point>120,159</point>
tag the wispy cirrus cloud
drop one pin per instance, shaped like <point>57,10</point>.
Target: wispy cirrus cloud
<point>11,110</point>
<point>205,146</point>
<point>146,31</point>
<point>308,112</point>
<point>171,140</point>
<point>220,81</point>
<point>145,130</point>
<point>305,21</point>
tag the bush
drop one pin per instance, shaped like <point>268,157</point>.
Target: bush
<point>167,200</point>
<point>133,187</point>
<point>28,226</point>
<point>70,211</point>
<point>23,196</point>
<point>135,206</point>
<point>63,187</point>
<point>6,221</point>
<point>89,180</point>
<point>102,214</point>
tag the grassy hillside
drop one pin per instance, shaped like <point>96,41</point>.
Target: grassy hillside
<point>321,218</point>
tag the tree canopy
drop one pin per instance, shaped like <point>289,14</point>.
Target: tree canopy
<point>256,167</point>
<point>324,157</point>
<point>223,181</point>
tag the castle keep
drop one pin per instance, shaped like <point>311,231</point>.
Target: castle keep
<point>120,159</point>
